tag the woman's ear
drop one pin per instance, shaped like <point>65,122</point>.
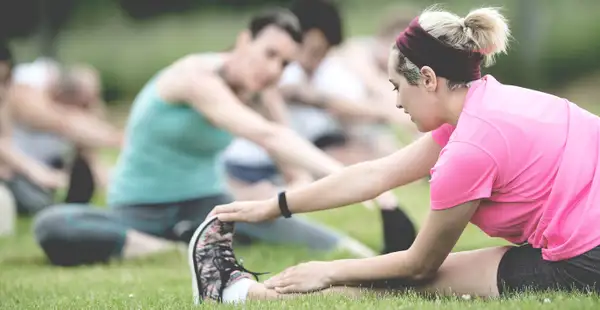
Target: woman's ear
<point>428,78</point>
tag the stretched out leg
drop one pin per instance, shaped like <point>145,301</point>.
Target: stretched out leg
<point>217,276</point>
<point>255,183</point>
<point>300,231</point>
<point>487,273</point>
<point>293,231</point>
<point>463,273</point>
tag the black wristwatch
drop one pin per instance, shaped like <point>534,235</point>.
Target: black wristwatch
<point>283,206</point>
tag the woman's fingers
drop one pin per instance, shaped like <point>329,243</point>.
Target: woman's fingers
<point>282,279</point>
<point>275,281</point>
<point>226,213</point>
<point>230,217</point>
<point>228,208</point>
<point>292,288</point>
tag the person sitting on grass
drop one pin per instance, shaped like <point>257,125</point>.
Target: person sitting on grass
<point>502,157</point>
<point>58,120</point>
<point>8,206</point>
<point>367,56</point>
<point>169,175</point>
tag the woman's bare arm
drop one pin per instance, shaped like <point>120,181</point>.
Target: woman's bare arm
<point>210,96</point>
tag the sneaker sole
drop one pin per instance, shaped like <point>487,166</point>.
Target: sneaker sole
<point>192,260</point>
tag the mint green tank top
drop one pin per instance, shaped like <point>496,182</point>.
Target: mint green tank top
<point>171,154</point>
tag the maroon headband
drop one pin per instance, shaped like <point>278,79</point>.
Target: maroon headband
<point>423,49</point>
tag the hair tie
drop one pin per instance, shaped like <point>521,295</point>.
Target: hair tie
<point>422,49</point>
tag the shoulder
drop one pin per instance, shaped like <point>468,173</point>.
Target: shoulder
<point>192,73</point>
<point>473,141</point>
<point>477,129</point>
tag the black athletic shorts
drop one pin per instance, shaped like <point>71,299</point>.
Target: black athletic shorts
<point>523,269</point>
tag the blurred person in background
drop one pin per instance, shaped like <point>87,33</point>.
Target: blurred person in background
<point>8,207</point>
<point>367,56</point>
<point>168,176</point>
<point>329,105</point>
<point>57,120</point>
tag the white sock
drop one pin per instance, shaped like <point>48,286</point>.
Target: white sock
<point>238,291</point>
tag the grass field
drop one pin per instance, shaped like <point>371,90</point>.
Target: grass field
<point>162,281</point>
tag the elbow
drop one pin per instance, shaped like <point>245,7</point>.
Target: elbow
<point>422,270</point>
<point>423,276</point>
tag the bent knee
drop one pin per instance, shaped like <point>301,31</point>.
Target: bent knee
<point>53,222</point>
<point>62,233</point>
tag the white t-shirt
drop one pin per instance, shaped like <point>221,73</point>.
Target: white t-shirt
<point>331,78</point>
<point>42,146</point>
<point>36,74</point>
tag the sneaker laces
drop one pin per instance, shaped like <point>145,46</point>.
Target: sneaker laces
<point>226,263</point>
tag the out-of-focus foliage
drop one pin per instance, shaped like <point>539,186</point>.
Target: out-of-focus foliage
<point>555,41</point>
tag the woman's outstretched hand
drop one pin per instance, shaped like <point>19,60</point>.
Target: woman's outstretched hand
<point>303,278</point>
<point>247,211</point>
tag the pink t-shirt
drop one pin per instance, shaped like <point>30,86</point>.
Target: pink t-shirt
<point>531,157</point>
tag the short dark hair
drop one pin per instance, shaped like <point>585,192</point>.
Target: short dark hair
<point>323,15</point>
<point>279,17</point>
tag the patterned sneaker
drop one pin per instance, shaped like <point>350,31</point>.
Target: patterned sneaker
<point>212,262</point>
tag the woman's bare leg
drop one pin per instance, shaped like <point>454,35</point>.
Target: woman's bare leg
<point>258,291</point>
<point>471,273</point>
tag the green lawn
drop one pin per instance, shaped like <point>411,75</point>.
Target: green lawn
<point>162,281</point>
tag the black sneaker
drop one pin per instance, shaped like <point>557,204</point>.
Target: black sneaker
<point>212,262</point>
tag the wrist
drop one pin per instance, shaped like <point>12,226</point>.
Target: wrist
<point>283,206</point>
<point>335,272</point>
<point>272,210</point>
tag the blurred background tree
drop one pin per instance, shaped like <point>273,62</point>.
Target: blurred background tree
<point>555,41</point>
<point>40,19</point>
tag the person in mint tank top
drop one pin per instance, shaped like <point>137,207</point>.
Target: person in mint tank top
<point>168,176</point>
